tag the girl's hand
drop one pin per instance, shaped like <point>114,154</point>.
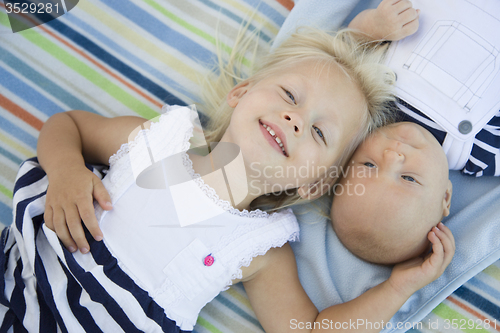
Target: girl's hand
<point>391,20</point>
<point>411,275</point>
<point>69,200</point>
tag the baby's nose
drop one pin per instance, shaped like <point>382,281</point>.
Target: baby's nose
<point>393,157</point>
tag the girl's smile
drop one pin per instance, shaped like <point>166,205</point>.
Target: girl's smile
<point>275,136</point>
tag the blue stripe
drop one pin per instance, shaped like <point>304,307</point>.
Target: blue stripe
<point>17,301</point>
<point>403,116</point>
<point>114,62</point>
<point>485,288</point>
<point>17,132</point>
<point>47,320</point>
<point>103,257</point>
<point>478,301</point>
<point>10,156</point>
<point>160,30</point>
<point>42,82</point>
<point>125,54</point>
<point>3,261</point>
<point>5,214</point>
<point>233,307</point>
<point>21,208</point>
<point>235,18</point>
<point>495,120</point>
<point>267,10</point>
<point>97,293</point>
<point>485,157</point>
<point>28,94</point>
<point>29,177</point>
<point>488,138</point>
<point>46,289</point>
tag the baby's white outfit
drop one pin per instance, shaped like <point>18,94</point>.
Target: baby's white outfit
<point>149,273</point>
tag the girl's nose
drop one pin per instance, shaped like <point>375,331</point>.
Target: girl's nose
<point>295,121</point>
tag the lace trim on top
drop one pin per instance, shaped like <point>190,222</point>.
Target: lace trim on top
<point>210,193</point>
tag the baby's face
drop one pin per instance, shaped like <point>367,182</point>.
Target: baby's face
<point>395,190</point>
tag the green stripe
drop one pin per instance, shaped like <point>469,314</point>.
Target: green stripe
<point>5,191</point>
<point>445,312</point>
<point>204,323</point>
<point>4,19</point>
<point>87,72</point>
<point>193,29</point>
<point>493,271</point>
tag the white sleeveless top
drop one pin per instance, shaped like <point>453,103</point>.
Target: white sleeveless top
<point>182,268</point>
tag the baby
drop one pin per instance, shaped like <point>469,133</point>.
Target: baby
<point>402,190</point>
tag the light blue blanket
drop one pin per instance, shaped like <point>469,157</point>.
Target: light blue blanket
<point>330,274</point>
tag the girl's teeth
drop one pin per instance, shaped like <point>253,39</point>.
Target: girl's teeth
<point>278,140</point>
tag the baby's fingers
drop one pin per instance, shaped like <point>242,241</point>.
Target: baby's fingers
<point>437,256</point>
<point>447,240</point>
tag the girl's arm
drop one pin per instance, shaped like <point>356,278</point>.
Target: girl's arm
<point>281,304</point>
<point>67,140</point>
<point>391,20</point>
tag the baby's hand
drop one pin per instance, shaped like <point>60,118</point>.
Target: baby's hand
<point>411,275</point>
<point>69,201</point>
<point>391,20</point>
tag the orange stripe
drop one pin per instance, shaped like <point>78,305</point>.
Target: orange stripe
<point>83,54</point>
<point>288,4</point>
<point>20,113</point>
<point>471,311</point>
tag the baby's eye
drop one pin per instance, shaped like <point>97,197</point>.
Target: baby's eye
<point>409,178</point>
<point>290,95</point>
<point>370,165</point>
<point>319,133</point>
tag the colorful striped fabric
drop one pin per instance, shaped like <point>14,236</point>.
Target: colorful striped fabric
<point>129,57</point>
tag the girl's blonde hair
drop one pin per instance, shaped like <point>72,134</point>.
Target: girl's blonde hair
<point>360,58</point>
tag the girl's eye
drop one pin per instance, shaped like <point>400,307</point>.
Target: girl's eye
<point>409,179</point>
<point>290,95</point>
<point>318,131</point>
<point>370,165</point>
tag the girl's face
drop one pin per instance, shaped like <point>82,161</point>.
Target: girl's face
<point>294,124</point>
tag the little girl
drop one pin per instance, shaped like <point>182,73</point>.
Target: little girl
<point>309,105</point>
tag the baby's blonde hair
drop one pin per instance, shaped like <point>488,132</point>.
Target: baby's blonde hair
<point>359,58</point>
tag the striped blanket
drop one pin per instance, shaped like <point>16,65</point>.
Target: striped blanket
<point>129,57</point>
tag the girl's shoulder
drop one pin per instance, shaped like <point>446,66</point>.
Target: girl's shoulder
<point>159,137</point>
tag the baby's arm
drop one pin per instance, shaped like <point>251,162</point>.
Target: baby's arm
<point>391,20</point>
<point>281,304</point>
<point>66,141</point>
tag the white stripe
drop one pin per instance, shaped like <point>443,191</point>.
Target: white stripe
<point>492,129</point>
<point>58,282</point>
<point>477,162</point>
<point>99,313</point>
<point>486,146</point>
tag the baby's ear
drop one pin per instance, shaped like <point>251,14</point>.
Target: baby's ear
<point>237,93</point>
<point>447,199</point>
